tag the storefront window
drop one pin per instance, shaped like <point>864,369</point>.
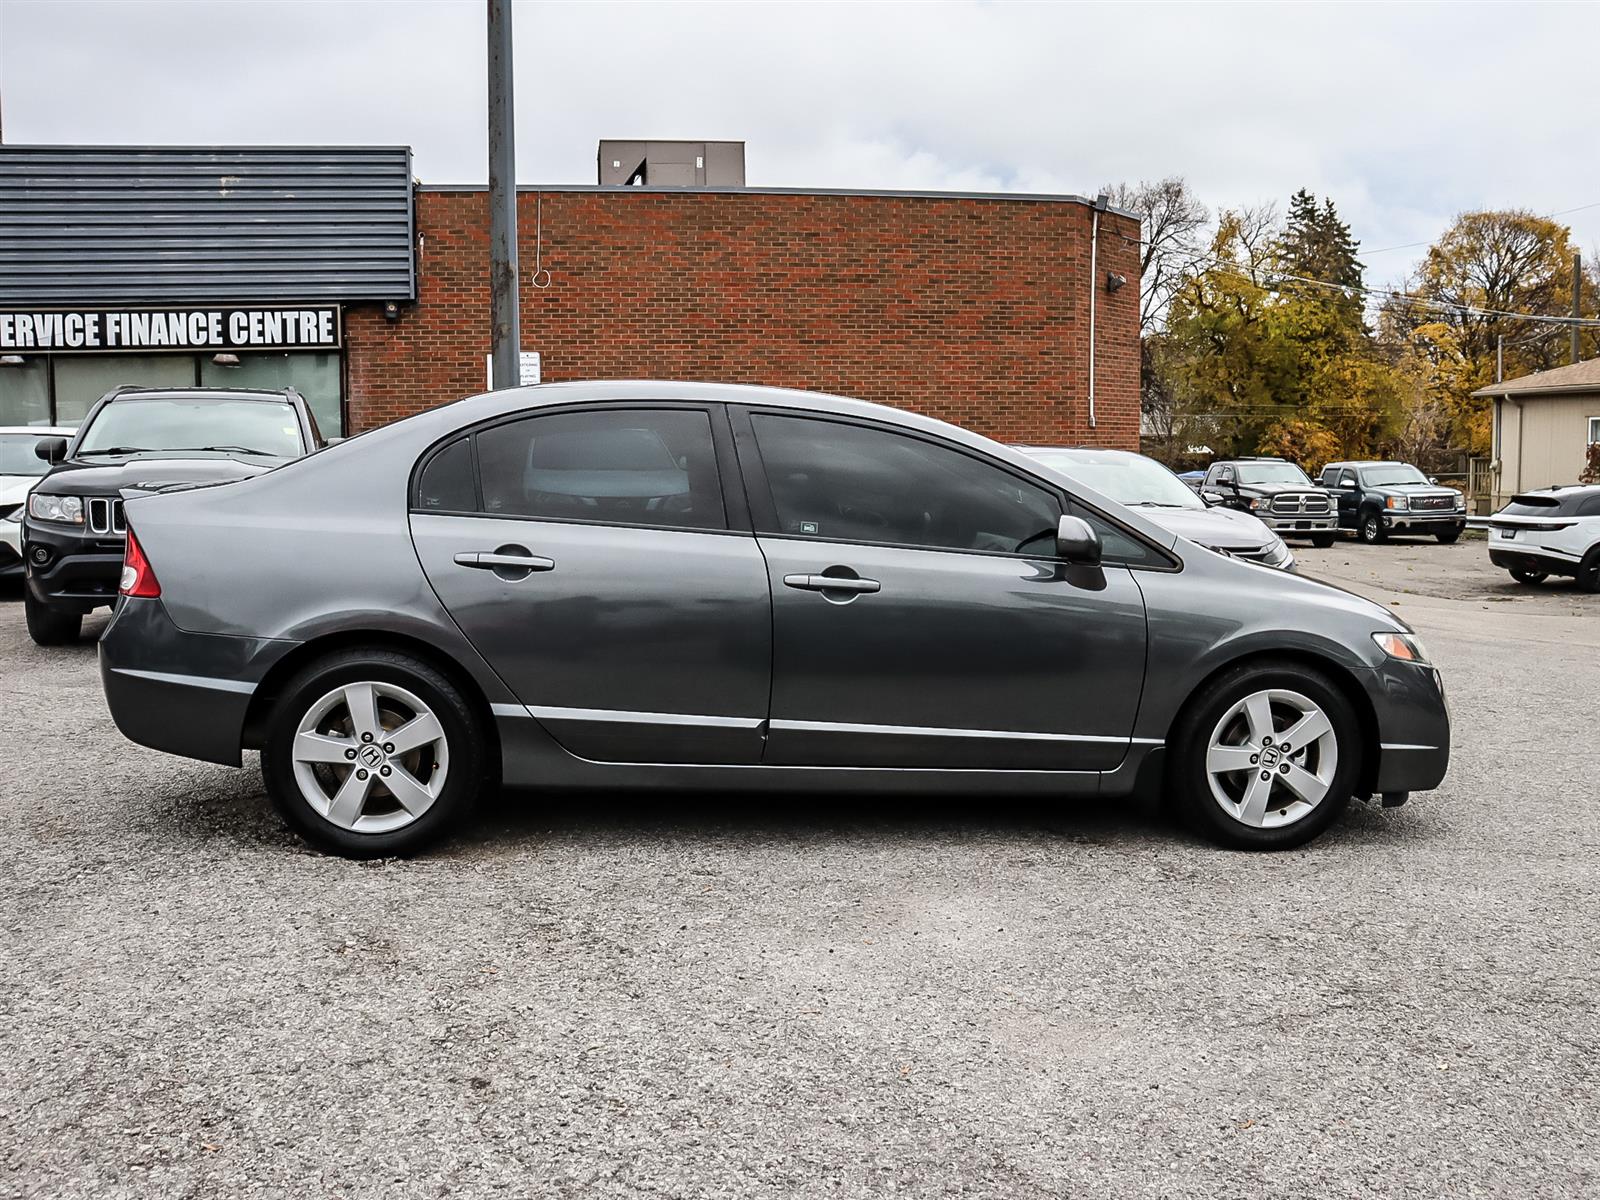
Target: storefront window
<point>83,379</point>
<point>25,392</point>
<point>314,376</point>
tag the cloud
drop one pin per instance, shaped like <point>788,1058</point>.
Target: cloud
<point>1405,115</point>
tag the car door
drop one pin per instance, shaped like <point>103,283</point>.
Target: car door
<point>595,558</point>
<point>920,618</point>
<point>1348,493</point>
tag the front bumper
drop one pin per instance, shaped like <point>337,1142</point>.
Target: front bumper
<point>70,568</point>
<point>1413,727</point>
<point>1281,523</point>
<point>10,549</point>
<point>184,693</point>
<point>1432,522</point>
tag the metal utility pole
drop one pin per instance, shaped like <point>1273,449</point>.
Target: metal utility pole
<point>1577,294</point>
<point>506,324</point>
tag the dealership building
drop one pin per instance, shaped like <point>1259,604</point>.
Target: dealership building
<point>331,269</point>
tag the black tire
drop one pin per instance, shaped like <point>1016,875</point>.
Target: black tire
<point>1529,578</point>
<point>1189,784</point>
<point>1370,529</point>
<point>1449,537</point>
<point>49,626</point>
<point>466,769</point>
<point>1322,540</point>
<point>1589,571</point>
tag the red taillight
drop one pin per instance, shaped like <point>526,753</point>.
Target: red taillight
<point>137,577</point>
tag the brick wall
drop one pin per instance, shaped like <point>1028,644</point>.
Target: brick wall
<point>972,310</point>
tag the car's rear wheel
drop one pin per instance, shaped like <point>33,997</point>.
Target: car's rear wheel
<point>49,626</point>
<point>1371,530</point>
<point>372,752</point>
<point>1266,757</point>
<point>1589,571</point>
<point>1448,537</point>
<point>1322,540</point>
<point>1531,578</point>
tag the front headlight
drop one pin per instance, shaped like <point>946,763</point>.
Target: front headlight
<point>1256,502</point>
<point>1461,500</point>
<point>1278,554</point>
<point>1407,647</point>
<point>67,509</point>
<point>1397,502</point>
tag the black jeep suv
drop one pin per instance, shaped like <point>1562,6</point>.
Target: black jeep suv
<point>1379,498</point>
<point>1276,491</point>
<point>139,439</point>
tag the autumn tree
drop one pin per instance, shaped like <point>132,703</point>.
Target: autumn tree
<point>1456,308</point>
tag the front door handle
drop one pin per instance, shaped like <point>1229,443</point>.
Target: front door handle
<point>831,583</point>
<point>496,560</point>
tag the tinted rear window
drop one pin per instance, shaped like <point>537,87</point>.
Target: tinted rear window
<point>1534,504</point>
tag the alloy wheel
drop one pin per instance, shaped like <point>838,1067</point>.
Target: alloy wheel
<point>370,757</point>
<point>1271,759</point>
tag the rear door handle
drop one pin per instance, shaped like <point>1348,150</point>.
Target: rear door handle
<point>488,560</point>
<point>831,583</point>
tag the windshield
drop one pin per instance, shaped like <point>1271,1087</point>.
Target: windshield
<point>1390,474</point>
<point>175,423</point>
<point>17,456</point>
<point>1127,478</point>
<point>1276,472</point>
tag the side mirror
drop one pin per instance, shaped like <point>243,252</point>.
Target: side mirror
<point>1213,499</point>
<point>1077,542</point>
<point>52,450</point>
<point>1347,483</point>
<point>1433,479</point>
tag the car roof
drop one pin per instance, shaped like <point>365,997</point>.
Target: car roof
<point>41,430</point>
<point>1562,489</point>
<point>204,393</point>
<point>1029,449</point>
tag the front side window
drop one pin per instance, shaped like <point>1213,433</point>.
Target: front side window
<point>621,466</point>
<point>1348,479</point>
<point>174,423</point>
<point>1130,479</point>
<point>853,483</point>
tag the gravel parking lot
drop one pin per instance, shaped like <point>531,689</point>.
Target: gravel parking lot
<point>593,997</point>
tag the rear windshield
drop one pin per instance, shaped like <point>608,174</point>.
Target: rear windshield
<point>263,427</point>
<point>1574,504</point>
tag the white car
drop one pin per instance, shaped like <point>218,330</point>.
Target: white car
<point>1553,531</point>
<point>20,469</point>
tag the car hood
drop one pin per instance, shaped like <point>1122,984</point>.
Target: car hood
<point>149,472</point>
<point>1273,489</point>
<point>1416,489</point>
<point>14,489</point>
<point>1217,528</point>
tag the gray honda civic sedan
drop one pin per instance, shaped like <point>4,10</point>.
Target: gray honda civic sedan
<point>691,586</point>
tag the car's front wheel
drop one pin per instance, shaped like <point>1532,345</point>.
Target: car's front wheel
<point>1448,537</point>
<point>1266,757</point>
<point>1322,540</point>
<point>373,752</point>
<point>49,626</point>
<point>1530,578</point>
<point>1371,530</point>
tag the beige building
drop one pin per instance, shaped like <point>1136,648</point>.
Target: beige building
<point>1543,425</point>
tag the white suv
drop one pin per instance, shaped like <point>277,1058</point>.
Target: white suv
<point>1553,531</point>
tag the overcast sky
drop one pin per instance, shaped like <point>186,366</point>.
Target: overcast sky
<point>1404,114</point>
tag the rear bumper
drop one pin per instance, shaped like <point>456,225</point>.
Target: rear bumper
<point>183,693</point>
<point>1535,558</point>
